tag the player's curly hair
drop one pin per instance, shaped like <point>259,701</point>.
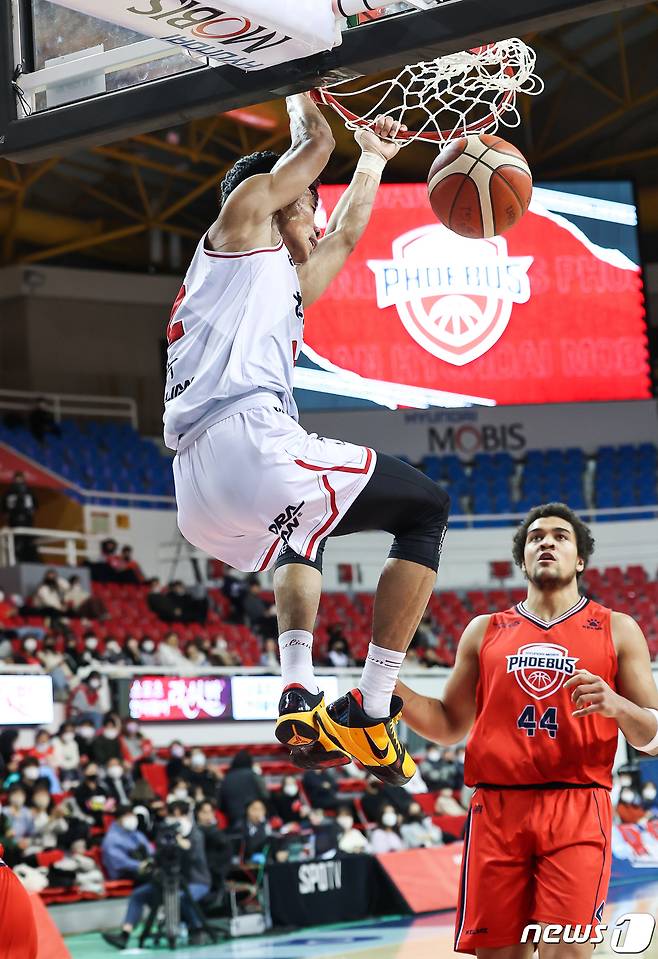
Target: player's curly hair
<point>584,538</point>
<point>263,162</point>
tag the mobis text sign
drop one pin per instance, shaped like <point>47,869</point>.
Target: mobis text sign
<point>543,314</point>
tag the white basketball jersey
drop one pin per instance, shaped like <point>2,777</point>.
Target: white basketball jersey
<point>236,328</point>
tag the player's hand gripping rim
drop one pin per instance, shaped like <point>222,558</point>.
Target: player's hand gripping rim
<point>380,137</point>
<point>591,694</point>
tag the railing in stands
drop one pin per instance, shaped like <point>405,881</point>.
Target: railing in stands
<point>68,545</point>
<point>72,404</point>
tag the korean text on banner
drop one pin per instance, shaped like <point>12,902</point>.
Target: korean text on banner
<point>249,34</point>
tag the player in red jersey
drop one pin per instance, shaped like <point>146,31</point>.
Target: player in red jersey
<point>544,689</point>
<point>18,931</point>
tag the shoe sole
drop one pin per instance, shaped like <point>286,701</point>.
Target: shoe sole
<point>295,730</point>
<point>390,773</point>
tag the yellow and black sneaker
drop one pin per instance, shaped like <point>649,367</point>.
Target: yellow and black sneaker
<point>373,742</point>
<point>297,708</point>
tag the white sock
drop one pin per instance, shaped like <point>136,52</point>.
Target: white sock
<point>378,679</point>
<point>296,651</point>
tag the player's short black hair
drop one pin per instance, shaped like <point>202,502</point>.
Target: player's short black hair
<point>584,538</point>
<point>263,162</point>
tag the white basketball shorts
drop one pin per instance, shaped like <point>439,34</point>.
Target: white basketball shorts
<point>256,480</point>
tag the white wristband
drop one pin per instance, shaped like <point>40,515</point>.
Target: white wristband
<point>654,742</point>
<point>372,165</point>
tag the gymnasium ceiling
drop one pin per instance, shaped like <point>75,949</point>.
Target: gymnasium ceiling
<point>141,204</point>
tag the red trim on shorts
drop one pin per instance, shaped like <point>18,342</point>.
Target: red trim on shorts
<point>269,555</point>
<point>339,469</point>
<point>335,513</point>
<point>237,256</point>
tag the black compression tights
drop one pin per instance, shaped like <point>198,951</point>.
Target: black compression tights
<point>398,499</point>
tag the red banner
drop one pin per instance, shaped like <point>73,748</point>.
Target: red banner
<point>540,315</point>
<point>12,462</point>
<point>428,879</point>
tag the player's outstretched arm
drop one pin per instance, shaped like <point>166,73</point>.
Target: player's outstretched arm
<point>635,703</point>
<point>260,197</point>
<point>449,719</point>
<point>352,214</point>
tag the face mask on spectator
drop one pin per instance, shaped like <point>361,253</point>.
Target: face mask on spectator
<point>114,772</point>
<point>113,648</point>
<point>31,772</point>
<point>41,801</point>
<point>91,642</point>
<point>42,746</point>
<point>129,822</point>
<point>198,760</point>
<point>148,646</point>
<point>290,789</point>
<point>649,793</point>
<point>345,822</point>
<point>68,736</point>
<point>433,755</point>
<point>87,732</point>
<point>177,751</point>
<point>110,732</point>
<point>625,781</point>
<point>95,683</point>
<point>132,729</point>
<point>626,796</point>
<point>181,793</point>
<point>30,645</point>
<point>389,819</point>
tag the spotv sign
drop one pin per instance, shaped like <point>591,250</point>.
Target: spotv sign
<point>552,312</point>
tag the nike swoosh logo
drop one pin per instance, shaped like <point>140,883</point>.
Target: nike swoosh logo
<point>331,738</point>
<point>380,753</point>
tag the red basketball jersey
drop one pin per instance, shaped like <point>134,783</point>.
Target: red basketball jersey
<point>524,730</point>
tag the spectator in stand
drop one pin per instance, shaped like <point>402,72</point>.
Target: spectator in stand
<point>338,653</point>
<point>72,655</point>
<point>378,794</point>
<point>203,782</point>
<point>221,655</point>
<point>447,805</point>
<point>147,651</point>
<point>28,653</point>
<point>256,831</point>
<point>219,852</point>
<point>194,653</point>
<point>350,840</point>
<point>92,796</point>
<point>118,784</point>
<point>649,799</point>
<point>270,656</point>
<point>630,809</point>
<point>242,785</point>
<point>90,652</point>
<point>8,611</point>
<point>424,642</point>
<point>41,421</point>
<point>8,739</point>
<point>431,768</point>
<point>125,850</point>
<point>19,505</point>
<point>179,790</point>
<point>49,599</point>
<point>326,833</point>
<point>107,569</point>
<point>234,587</point>
<point>186,607</point>
<point>177,766</point>
<point>132,652</point>
<point>82,604</point>
<point>386,837</point>
<point>194,868</point>
<point>253,606</point>
<point>169,653</point>
<point>44,749</point>
<point>50,824</point>
<point>19,817</point>
<point>56,666</point>
<point>128,567</point>
<point>85,734</point>
<point>87,701</point>
<point>320,788</point>
<point>113,652</point>
<point>157,602</point>
<point>106,746</point>
<point>33,770</point>
<point>66,753</point>
<point>288,803</point>
<point>418,831</point>
<point>134,744</point>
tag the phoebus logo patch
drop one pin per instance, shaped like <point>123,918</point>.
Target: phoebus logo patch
<point>541,668</point>
<point>454,295</point>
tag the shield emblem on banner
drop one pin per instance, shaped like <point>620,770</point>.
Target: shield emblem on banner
<point>541,668</point>
<point>453,295</point>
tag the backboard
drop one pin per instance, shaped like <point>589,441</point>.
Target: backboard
<point>80,81</point>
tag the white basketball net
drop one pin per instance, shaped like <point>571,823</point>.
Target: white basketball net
<point>470,92</point>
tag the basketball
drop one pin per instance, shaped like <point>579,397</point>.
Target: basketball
<point>480,186</point>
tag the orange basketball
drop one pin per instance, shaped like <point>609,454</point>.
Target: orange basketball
<point>480,186</point>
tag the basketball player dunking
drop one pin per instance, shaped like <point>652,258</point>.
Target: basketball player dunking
<point>253,488</point>
<point>546,687</point>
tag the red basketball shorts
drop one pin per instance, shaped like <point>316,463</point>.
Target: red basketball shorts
<point>18,931</point>
<point>532,855</point>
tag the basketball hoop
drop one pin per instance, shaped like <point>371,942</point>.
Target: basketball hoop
<point>453,96</point>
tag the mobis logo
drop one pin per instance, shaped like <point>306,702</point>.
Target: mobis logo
<point>454,295</point>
